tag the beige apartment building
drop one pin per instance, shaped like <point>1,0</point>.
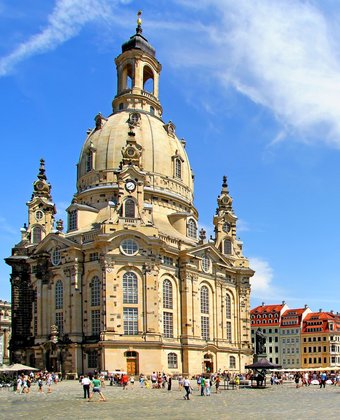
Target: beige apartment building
<point>5,331</point>
<point>132,283</point>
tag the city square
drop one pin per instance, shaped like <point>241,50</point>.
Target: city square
<point>277,401</point>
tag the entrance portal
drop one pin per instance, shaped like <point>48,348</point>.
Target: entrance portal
<point>208,364</point>
<point>131,363</point>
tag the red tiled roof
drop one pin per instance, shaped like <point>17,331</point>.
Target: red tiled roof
<point>266,309</point>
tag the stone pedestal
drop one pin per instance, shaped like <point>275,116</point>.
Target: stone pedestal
<point>257,357</point>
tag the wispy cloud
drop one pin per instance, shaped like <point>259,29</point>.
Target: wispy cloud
<point>6,229</point>
<point>281,55</point>
<point>66,21</point>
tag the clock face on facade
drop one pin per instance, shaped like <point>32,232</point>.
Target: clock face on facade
<point>130,185</point>
<point>226,227</point>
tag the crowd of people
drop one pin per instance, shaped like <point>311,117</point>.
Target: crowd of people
<point>24,381</point>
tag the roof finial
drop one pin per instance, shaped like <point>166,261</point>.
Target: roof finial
<point>139,29</point>
<point>41,174</point>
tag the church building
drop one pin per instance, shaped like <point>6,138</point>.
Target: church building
<point>130,283</point>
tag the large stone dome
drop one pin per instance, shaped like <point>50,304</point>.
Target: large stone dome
<point>159,149</point>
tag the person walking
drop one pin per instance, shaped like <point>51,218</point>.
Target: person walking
<point>323,379</point>
<point>202,386</point>
<point>86,386</point>
<point>169,382</point>
<point>187,387</point>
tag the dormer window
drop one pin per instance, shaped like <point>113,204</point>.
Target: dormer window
<point>178,168</point>
<point>37,234</point>
<point>129,208</point>
<point>227,247</point>
<point>89,161</point>
<point>73,220</point>
<point>192,229</point>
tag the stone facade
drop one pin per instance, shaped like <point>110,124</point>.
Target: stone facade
<point>131,284</point>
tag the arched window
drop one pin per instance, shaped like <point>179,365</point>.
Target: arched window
<point>232,362</point>
<point>37,233</point>
<point>192,228</point>
<point>152,110</point>
<point>95,291</point>
<point>148,79</point>
<point>178,168</point>
<point>227,247</point>
<point>172,361</point>
<point>129,82</point>
<point>59,295</point>
<point>204,300</point>
<point>129,207</point>
<point>227,306</point>
<point>167,294</point>
<point>130,288</point>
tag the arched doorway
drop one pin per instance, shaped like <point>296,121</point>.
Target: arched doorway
<point>131,363</point>
<point>208,363</point>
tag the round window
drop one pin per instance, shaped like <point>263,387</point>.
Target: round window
<point>56,256</point>
<point>131,151</point>
<point>205,263</point>
<point>129,247</point>
<point>39,215</point>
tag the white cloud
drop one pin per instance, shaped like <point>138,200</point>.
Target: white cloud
<point>261,282</point>
<point>66,20</point>
<point>281,54</point>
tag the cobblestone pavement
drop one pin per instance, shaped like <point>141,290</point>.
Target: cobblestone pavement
<point>275,402</point>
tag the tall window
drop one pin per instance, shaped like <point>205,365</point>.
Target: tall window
<point>59,322</point>
<point>167,294</point>
<point>228,331</point>
<point>172,361</point>
<point>178,168</point>
<point>95,291</point>
<point>92,359</point>
<point>89,161</point>
<point>59,295</point>
<point>73,220</point>
<point>130,288</point>
<point>95,321</point>
<point>130,318</point>
<point>204,300</point>
<point>129,206</point>
<point>205,331</point>
<point>232,362</point>
<point>227,247</point>
<point>205,327</point>
<point>227,306</point>
<point>168,324</point>
<point>192,228</point>
<point>37,234</point>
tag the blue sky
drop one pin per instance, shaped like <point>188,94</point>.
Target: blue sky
<point>254,88</point>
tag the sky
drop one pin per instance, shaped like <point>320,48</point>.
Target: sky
<point>253,87</point>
